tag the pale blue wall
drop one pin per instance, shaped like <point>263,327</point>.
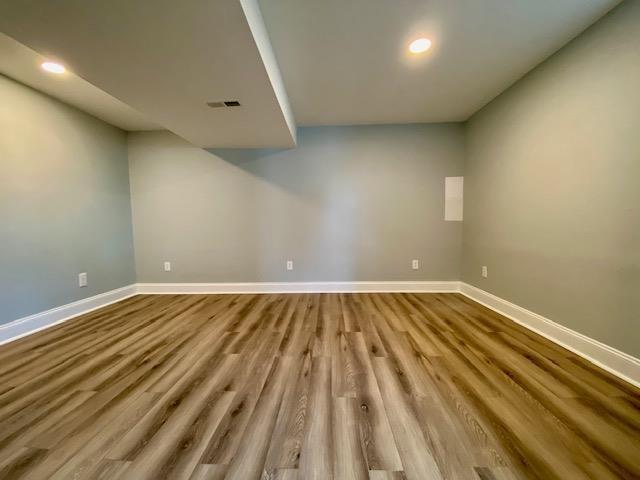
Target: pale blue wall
<point>64,204</point>
<point>348,204</point>
<point>552,186</point>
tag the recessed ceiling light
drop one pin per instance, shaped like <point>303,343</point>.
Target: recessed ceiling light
<point>53,67</point>
<point>420,45</point>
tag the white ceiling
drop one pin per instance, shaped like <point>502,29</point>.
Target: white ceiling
<point>166,59</point>
<point>346,61</point>
<point>23,64</point>
<point>337,61</point>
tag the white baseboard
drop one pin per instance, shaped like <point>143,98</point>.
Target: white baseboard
<point>608,358</point>
<point>39,321</point>
<point>614,361</point>
<point>298,287</point>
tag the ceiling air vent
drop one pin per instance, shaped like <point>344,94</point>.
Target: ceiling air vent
<point>225,103</point>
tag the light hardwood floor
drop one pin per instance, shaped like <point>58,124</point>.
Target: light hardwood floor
<point>309,386</point>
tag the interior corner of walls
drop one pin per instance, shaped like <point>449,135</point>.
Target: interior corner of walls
<point>129,135</point>
<point>425,151</point>
<point>620,364</point>
<point>40,321</point>
<point>80,153</point>
<point>540,110</point>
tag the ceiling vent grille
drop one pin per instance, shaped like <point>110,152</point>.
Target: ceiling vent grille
<point>224,104</point>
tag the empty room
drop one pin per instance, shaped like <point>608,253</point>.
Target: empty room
<point>319,239</point>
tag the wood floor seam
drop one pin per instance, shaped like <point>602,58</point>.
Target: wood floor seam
<point>337,386</point>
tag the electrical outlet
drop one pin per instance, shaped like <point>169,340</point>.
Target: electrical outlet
<point>415,264</point>
<point>167,266</point>
<point>485,272</point>
<point>289,264</point>
<point>82,279</point>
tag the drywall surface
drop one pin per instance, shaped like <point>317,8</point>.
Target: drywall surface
<point>348,204</point>
<point>552,186</point>
<point>64,204</point>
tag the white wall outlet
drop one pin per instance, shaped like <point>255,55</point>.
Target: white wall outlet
<point>167,266</point>
<point>415,264</point>
<point>82,279</point>
<point>289,264</point>
<point>485,272</point>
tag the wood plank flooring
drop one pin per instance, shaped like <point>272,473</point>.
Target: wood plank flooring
<point>308,386</point>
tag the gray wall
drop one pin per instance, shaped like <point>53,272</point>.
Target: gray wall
<point>349,203</point>
<point>64,204</point>
<point>552,186</point>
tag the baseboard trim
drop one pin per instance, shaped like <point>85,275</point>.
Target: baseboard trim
<point>39,321</point>
<point>608,358</point>
<point>298,287</point>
